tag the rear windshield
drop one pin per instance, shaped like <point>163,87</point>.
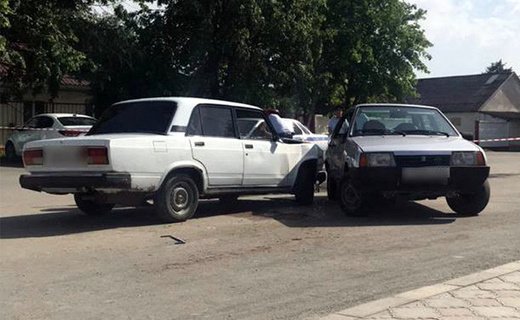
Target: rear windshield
<point>136,117</point>
<point>76,121</point>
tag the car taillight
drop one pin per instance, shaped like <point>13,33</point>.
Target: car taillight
<point>481,161</point>
<point>33,157</point>
<point>97,155</point>
<point>70,133</point>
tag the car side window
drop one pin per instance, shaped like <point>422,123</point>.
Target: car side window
<point>194,126</point>
<point>44,122</point>
<point>217,121</point>
<point>31,123</point>
<point>296,129</point>
<point>252,125</point>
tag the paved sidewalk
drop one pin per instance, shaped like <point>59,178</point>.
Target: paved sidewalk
<point>490,294</point>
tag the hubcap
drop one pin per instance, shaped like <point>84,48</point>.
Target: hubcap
<point>179,198</point>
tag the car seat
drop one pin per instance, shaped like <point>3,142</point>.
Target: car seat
<point>373,125</point>
<point>405,127</point>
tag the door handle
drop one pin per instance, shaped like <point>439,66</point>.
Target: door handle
<point>248,146</point>
<point>199,144</point>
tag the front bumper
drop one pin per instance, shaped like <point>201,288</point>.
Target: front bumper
<point>78,181</point>
<point>460,179</point>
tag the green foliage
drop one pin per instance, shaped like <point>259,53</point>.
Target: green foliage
<point>498,67</point>
<point>300,56</point>
<point>38,43</point>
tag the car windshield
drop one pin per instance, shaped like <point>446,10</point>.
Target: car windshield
<point>399,120</point>
<point>136,117</point>
<point>76,121</point>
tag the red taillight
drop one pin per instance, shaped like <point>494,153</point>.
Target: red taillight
<point>363,161</point>
<point>97,155</point>
<point>481,161</point>
<point>33,157</point>
<point>70,133</point>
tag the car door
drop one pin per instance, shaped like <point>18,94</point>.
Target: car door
<point>337,147</point>
<point>266,161</point>
<point>29,132</point>
<point>214,143</point>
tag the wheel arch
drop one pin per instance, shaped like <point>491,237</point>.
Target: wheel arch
<point>194,170</point>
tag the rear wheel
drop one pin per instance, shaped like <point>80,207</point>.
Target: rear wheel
<point>10,152</point>
<point>351,200</point>
<point>90,206</point>
<point>471,204</point>
<point>178,198</point>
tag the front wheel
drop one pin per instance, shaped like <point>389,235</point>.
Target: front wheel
<point>351,200</point>
<point>90,206</point>
<point>471,204</point>
<point>177,199</point>
<point>304,185</point>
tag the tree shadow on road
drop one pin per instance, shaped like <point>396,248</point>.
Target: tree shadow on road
<point>324,213</point>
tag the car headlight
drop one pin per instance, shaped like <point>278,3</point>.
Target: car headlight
<point>467,159</point>
<point>377,159</point>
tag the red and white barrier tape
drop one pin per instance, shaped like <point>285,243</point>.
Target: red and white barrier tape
<point>43,129</point>
<point>497,140</point>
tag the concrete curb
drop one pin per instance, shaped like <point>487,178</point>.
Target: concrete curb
<point>373,307</point>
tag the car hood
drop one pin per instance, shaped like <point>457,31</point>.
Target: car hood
<point>413,143</point>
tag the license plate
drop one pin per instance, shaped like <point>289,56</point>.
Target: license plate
<point>426,175</point>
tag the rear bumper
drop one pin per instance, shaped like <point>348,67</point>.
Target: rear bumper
<point>461,179</point>
<point>79,181</point>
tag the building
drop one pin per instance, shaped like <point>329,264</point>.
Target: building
<point>73,97</point>
<point>485,106</point>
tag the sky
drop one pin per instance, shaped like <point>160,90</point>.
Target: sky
<point>468,35</point>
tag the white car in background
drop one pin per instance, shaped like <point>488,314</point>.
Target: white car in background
<point>302,133</point>
<point>47,126</point>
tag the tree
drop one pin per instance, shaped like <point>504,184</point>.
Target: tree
<point>38,46</point>
<point>374,50</point>
<point>498,67</point>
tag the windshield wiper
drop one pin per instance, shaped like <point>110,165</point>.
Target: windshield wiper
<point>428,132</point>
<point>378,132</point>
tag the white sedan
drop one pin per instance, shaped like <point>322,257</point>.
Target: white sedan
<point>302,133</point>
<point>47,126</point>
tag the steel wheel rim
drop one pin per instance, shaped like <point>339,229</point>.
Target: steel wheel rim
<point>350,197</point>
<point>180,198</point>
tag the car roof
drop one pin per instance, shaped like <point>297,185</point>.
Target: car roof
<point>397,105</point>
<point>193,101</point>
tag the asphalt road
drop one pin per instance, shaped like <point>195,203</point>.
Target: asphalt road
<point>266,258</point>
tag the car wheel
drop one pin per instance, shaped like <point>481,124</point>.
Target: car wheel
<point>304,185</point>
<point>332,189</point>
<point>90,206</point>
<point>177,199</point>
<point>351,200</point>
<point>471,204</point>
<point>10,152</point>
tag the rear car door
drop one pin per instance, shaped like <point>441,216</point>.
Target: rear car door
<point>265,160</point>
<point>214,143</point>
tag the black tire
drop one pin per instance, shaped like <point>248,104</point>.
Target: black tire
<point>471,204</point>
<point>332,189</point>
<point>10,152</point>
<point>304,185</point>
<point>177,199</point>
<point>350,199</point>
<point>90,206</point>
